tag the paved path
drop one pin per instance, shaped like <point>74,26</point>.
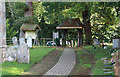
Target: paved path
<point>65,63</point>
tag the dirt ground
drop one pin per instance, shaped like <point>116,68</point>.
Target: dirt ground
<point>46,63</point>
<point>79,70</point>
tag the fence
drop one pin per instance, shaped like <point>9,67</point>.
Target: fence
<point>41,41</point>
<point>9,41</point>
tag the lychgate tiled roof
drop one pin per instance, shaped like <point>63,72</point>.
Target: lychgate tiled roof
<point>70,24</point>
<point>29,27</point>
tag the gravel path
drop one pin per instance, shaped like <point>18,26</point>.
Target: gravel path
<point>64,65</point>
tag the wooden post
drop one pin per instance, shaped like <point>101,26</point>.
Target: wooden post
<point>3,45</point>
<point>78,37</point>
<point>81,36</point>
<point>64,37</point>
<point>53,36</point>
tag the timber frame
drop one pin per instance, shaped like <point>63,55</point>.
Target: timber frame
<point>71,24</point>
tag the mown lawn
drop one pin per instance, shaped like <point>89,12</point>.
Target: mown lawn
<point>15,68</point>
<point>97,68</point>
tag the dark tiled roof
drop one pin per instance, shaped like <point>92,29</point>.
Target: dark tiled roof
<point>29,27</point>
<point>70,24</point>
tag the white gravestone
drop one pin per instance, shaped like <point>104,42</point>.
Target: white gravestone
<point>21,41</point>
<point>23,53</point>
<point>116,43</point>
<point>29,41</point>
<point>11,54</point>
<point>15,42</point>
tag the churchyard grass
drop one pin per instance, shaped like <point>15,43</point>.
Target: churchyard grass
<point>98,54</point>
<point>97,68</point>
<point>15,68</point>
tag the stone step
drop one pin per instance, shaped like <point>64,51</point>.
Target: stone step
<point>106,69</point>
<point>108,72</point>
<point>107,65</point>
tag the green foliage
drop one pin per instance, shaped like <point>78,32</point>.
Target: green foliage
<point>10,32</point>
<point>14,11</point>
<point>30,19</point>
<point>104,19</point>
<point>98,53</point>
<point>15,68</point>
<point>103,16</point>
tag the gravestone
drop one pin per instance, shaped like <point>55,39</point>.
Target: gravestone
<point>29,41</point>
<point>15,42</point>
<point>116,43</point>
<point>96,42</point>
<point>11,54</point>
<point>21,41</point>
<point>23,53</point>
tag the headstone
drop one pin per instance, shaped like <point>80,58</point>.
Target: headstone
<point>15,42</point>
<point>11,54</point>
<point>116,43</point>
<point>21,41</point>
<point>29,41</point>
<point>96,42</point>
<point>23,53</point>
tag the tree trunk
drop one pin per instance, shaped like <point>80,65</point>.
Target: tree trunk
<point>87,25</point>
<point>29,12</point>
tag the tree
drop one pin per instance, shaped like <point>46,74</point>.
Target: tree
<point>10,32</point>
<point>85,12</point>
<point>14,11</point>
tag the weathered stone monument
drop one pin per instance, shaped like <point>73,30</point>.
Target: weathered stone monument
<point>23,53</point>
<point>29,41</point>
<point>21,41</point>
<point>11,54</point>
<point>15,42</point>
<point>116,43</point>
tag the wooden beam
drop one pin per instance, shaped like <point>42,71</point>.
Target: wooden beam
<point>68,27</point>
